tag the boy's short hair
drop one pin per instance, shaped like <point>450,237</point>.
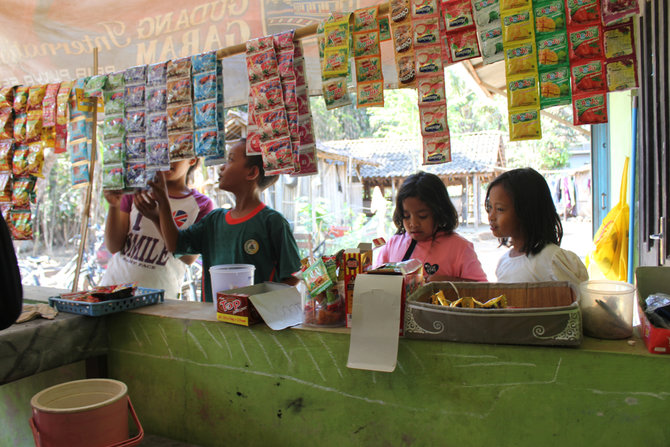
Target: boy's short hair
<point>264,181</point>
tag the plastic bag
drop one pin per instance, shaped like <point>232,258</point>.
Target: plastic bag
<point>611,240</point>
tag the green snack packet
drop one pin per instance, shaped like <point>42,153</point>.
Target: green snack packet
<point>549,17</point>
<point>555,87</point>
<point>552,51</point>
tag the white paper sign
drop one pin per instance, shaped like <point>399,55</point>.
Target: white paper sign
<point>279,308</point>
<point>375,322</point>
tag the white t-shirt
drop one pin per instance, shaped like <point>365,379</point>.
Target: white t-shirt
<point>144,257</point>
<point>551,264</point>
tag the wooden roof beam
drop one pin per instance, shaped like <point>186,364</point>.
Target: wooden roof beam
<point>471,69</point>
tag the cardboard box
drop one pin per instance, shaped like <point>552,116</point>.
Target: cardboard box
<point>234,306</point>
<point>412,279</point>
<point>650,280</point>
<point>354,261</point>
<point>544,313</point>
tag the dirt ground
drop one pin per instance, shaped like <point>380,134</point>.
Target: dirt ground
<point>577,237</point>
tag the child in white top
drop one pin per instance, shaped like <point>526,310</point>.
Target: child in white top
<point>134,235</point>
<point>523,216</point>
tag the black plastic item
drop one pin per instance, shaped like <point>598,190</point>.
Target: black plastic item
<point>11,298</point>
<point>117,295</point>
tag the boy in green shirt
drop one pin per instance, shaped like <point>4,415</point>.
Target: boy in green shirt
<point>249,233</point>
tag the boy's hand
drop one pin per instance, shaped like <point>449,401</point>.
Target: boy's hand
<point>113,197</point>
<point>146,205</point>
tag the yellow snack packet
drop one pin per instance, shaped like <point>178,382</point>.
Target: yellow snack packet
<point>517,25</point>
<point>525,125</point>
<point>520,58</point>
<point>522,91</point>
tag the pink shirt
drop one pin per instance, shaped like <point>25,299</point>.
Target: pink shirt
<point>448,255</point>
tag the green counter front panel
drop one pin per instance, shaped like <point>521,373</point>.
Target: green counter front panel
<point>215,384</point>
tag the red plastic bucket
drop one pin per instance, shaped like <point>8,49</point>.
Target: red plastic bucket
<point>83,413</point>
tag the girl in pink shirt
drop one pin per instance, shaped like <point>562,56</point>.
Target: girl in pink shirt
<point>426,219</point>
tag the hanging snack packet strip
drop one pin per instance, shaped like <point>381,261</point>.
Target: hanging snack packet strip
<point>269,111</point>
<point>259,68</point>
<point>621,61</point>
<point>180,110</point>
<point>157,148</point>
<point>113,134</point>
<point>401,31</point>
<point>80,125</point>
<point>206,108</point>
<point>521,71</point>
<point>461,34</point>
<point>586,53</point>
<point>62,116</point>
<point>367,58</point>
<point>333,40</point>
<point>489,29</point>
<point>551,42</point>
<point>305,160</point>
<point>135,120</point>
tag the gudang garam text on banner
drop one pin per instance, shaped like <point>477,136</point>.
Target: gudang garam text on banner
<point>43,42</point>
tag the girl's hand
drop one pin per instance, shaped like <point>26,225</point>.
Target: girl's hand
<point>113,198</point>
<point>158,188</point>
<point>146,205</point>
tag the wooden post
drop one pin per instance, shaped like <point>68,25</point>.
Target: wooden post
<point>89,189</point>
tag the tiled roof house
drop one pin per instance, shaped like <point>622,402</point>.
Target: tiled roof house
<point>475,159</point>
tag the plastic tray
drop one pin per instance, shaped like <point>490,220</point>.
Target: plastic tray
<point>142,297</point>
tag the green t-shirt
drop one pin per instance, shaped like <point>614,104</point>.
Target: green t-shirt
<point>262,238</point>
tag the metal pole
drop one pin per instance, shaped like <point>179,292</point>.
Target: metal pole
<point>631,194</point>
<point>89,189</point>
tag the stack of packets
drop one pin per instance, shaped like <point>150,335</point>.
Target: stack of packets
<point>159,113</point>
<point>367,58</point>
<point>280,123</point>
<point>333,39</point>
<point>523,100</point>
<point>432,99</point>
<point>324,303</point>
<point>438,299</point>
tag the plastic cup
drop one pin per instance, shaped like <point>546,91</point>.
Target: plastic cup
<point>607,308</point>
<point>230,276</point>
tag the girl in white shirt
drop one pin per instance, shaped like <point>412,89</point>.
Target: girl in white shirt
<point>523,216</point>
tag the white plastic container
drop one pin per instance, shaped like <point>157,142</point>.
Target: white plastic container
<point>607,308</point>
<point>230,276</point>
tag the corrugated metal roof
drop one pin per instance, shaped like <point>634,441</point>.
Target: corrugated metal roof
<point>470,153</point>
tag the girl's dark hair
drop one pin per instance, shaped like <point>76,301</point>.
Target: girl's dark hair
<point>534,208</point>
<point>432,191</point>
<point>264,181</point>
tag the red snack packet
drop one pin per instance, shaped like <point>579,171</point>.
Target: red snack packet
<point>588,76</point>
<point>581,12</point>
<point>586,43</point>
<point>589,108</point>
